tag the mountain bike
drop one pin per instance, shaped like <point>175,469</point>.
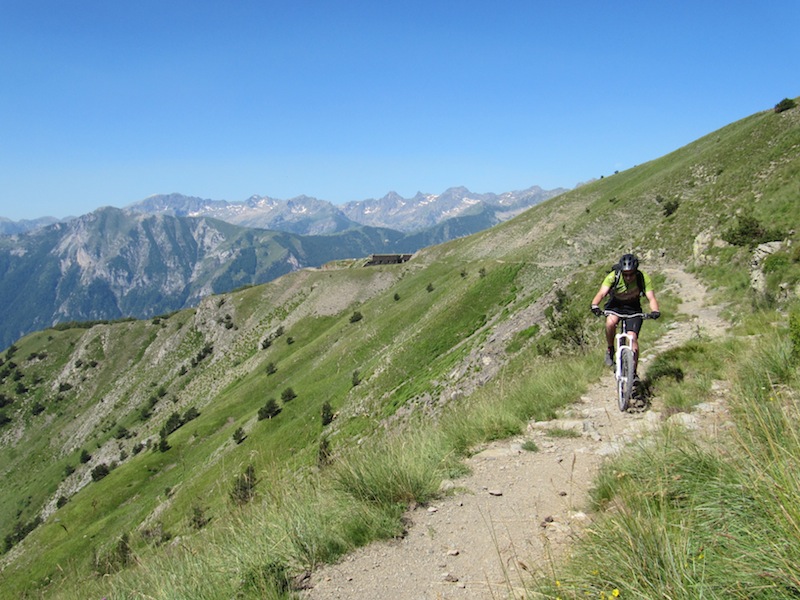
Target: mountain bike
<point>624,363</point>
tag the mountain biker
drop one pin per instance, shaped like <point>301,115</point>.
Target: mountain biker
<point>625,284</point>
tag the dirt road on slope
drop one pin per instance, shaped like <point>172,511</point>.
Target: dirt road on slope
<point>517,509</point>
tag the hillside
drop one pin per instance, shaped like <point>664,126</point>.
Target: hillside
<point>167,252</point>
<point>445,550</point>
<point>489,316</point>
<point>113,264</point>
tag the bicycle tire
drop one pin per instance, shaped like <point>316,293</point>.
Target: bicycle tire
<point>625,381</point>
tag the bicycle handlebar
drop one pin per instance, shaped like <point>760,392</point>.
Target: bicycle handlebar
<point>625,316</point>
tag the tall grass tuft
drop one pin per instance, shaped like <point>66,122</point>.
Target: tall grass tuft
<point>394,470</point>
<point>505,408</point>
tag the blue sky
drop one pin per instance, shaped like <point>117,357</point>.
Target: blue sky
<point>108,102</point>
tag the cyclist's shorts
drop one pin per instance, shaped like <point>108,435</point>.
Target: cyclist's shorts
<point>628,308</point>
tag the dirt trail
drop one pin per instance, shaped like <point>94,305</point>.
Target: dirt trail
<point>518,509</point>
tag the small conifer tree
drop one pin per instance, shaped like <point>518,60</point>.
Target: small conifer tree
<point>269,410</point>
<point>327,414</point>
<point>239,435</point>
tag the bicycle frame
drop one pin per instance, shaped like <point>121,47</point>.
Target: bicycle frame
<point>624,367</point>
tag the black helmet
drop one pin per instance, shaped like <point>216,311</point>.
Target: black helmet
<point>628,262</point>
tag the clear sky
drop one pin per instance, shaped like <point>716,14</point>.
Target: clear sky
<point>106,102</point>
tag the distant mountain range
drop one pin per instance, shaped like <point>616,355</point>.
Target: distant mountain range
<point>9,227</point>
<point>305,215</point>
<point>167,252</point>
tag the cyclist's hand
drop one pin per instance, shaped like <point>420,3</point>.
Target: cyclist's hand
<point>655,314</point>
<point>596,310</point>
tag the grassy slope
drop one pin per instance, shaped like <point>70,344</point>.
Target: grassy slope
<point>405,349</point>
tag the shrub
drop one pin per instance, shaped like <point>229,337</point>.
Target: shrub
<point>85,456</point>
<point>324,453</point>
<point>566,321</point>
<point>271,368</point>
<point>173,423</point>
<point>157,535</point>
<point>749,232</point>
<point>190,415</point>
<point>163,444</point>
<point>239,435</point>
<point>198,519</point>
<point>356,317</point>
<point>356,378</point>
<point>4,419</point>
<point>100,471</point>
<point>288,395</point>
<point>327,414</point>
<point>20,532</point>
<point>266,581</point>
<point>670,206</point>
<point>269,410</point>
<point>785,104</point>
<point>244,486</point>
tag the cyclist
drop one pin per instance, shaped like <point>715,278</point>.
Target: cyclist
<point>625,285</point>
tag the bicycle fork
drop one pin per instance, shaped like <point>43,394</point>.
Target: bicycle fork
<point>620,340</point>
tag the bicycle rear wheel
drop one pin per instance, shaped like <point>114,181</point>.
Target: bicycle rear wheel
<point>625,380</point>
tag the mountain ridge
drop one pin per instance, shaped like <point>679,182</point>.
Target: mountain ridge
<point>112,263</point>
<point>167,252</point>
<point>307,215</point>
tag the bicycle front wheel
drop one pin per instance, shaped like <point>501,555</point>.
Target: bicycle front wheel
<point>625,378</point>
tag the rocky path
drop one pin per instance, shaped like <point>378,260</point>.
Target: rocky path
<point>518,509</point>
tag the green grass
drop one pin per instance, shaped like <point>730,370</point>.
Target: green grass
<point>303,518</point>
<point>682,377</point>
<point>680,518</point>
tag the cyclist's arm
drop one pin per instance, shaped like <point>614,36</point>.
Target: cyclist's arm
<point>602,293</point>
<point>651,297</point>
